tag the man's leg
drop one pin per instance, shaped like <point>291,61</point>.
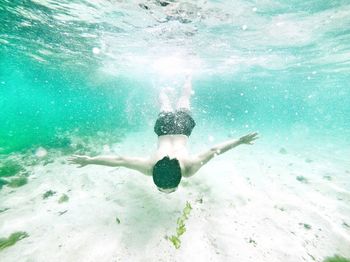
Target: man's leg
<point>165,104</point>
<point>184,101</point>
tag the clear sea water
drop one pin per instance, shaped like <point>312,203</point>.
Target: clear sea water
<point>96,66</point>
<point>83,77</point>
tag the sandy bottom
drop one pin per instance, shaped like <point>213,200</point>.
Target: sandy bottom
<point>248,205</point>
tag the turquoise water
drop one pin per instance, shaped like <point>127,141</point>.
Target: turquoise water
<point>83,77</point>
<point>82,67</point>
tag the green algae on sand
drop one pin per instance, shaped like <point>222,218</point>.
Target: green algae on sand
<point>283,151</point>
<point>302,179</point>
<point>12,239</point>
<point>176,241</point>
<point>3,182</point>
<point>18,182</point>
<point>10,168</point>
<point>48,193</point>
<point>181,229</point>
<point>307,226</point>
<point>336,258</point>
<point>63,198</point>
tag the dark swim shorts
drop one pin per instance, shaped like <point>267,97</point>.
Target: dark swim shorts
<point>179,122</point>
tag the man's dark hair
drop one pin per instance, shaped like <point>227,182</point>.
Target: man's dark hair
<point>167,173</point>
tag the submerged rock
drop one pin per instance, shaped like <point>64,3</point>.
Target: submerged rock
<point>143,6</point>
<point>252,241</point>
<point>283,151</point>
<point>329,178</point>
<point>280,208</point>
<point>48,193</point>
<point>307,226</point>
<point>18,182</point>
<point>200,200</point>
<point>3,182</point>
<point>302,179</point>
<point>62,142</point>
<point>10,168</point>
<point>163,3</point>
<point>62,212</point>
<point>47,161</point>
<point>63,198</point>
<point>12,239</point>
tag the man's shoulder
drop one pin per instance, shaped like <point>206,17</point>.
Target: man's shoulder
<point>148,166</point>
<point>190,166</point>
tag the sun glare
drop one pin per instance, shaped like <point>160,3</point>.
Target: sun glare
<point>172,65</point>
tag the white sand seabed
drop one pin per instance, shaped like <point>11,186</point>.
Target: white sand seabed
<point>253,209</point>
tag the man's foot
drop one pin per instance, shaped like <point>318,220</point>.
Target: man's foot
<point>187,88</point>
<point>164,100</point>
<point>169,90</point>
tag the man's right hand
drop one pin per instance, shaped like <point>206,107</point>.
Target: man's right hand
<point>80,160</point>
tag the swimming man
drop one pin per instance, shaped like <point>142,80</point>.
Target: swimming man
<point>171,161</point>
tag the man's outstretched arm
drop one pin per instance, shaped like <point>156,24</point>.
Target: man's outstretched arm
<point>204,157</point>
<point>140,164</point>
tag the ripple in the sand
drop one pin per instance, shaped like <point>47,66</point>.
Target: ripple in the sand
<point>346,225</point>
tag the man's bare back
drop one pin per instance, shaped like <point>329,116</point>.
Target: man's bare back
<point>172,145</point>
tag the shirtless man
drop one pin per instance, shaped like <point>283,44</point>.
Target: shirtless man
<point>171,161</point>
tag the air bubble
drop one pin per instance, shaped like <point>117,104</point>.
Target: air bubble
<point>40,152</point>
<point>96,50</point>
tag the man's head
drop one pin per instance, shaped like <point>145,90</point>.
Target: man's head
<point>167,174</point>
